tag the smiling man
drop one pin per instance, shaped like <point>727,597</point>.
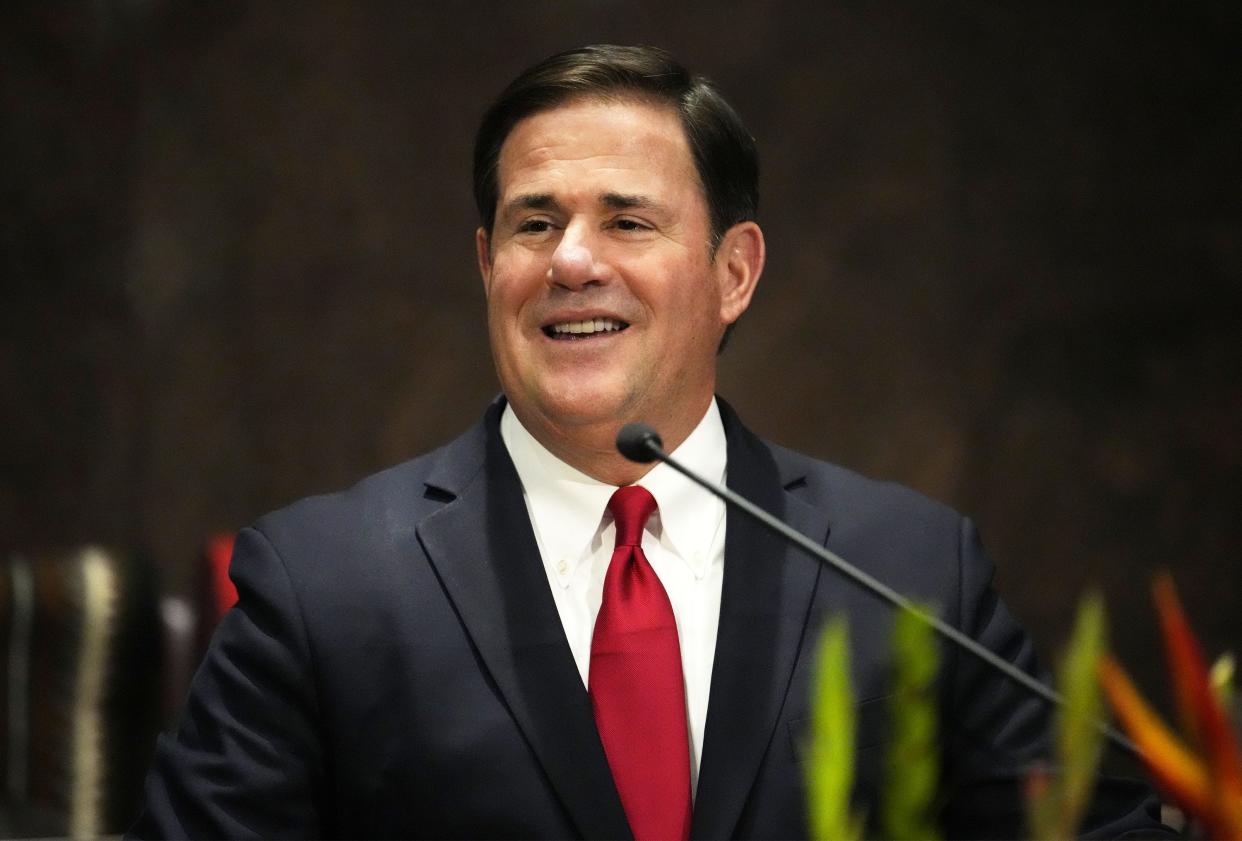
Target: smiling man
<point>522,634</point>
<point>608,290</point>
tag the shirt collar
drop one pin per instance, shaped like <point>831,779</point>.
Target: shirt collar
<point>559,494</point>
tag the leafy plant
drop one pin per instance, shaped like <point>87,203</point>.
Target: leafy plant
<point>830,772</point>
<point>1057,801</point>
<point>908,809</point>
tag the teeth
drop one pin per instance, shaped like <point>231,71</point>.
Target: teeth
<point>590,325</point>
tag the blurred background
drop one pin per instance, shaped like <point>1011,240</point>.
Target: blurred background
<point>1005,267</point>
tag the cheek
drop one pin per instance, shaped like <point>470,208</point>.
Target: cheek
<point>513,283</point>
<point>694,298</point>
<point>502,320</point>
<point>503,298</point>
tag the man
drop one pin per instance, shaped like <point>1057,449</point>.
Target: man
<point>448,649</point>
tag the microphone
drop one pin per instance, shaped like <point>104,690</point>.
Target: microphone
<point>640,443</point>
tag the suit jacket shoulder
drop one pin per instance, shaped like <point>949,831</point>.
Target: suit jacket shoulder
<point>384,506</point>
<point>854,500</point>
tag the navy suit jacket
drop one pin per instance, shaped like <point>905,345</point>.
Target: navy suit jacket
<point>396,666</point>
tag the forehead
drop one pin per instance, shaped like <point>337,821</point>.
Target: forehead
<point>598,140</point>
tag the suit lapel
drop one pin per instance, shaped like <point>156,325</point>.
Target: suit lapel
<point>764,606</point>
<point>484,551</point>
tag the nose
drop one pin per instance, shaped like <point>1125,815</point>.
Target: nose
<point>574,264</point>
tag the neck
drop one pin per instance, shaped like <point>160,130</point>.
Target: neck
<point>592,448</point>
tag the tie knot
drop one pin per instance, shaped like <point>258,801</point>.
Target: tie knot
<point>630,507</point>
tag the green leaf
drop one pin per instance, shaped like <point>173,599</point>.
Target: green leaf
<point>830,772</point>
<point>1043,804</point>
<point>1222,677</point>
<point>1080,742</point>
<point>1056,808</point>
<point>913,758</point>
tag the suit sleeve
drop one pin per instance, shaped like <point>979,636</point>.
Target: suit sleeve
<point>246,759</point>
<point>998,729</point>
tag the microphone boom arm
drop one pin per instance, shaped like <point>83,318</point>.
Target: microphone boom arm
<point>647,439</point>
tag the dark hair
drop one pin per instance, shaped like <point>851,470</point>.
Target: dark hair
<point>724,152</point>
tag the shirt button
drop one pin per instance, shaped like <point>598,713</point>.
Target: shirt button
<point>562,566</point>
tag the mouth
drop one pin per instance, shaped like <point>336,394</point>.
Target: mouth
<point>588,328</point>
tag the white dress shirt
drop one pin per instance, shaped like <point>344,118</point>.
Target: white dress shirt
<point>684,541</point>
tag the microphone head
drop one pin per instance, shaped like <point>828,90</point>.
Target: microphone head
<point>639,442</point>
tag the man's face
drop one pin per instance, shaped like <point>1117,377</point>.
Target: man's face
<point>604,304</point>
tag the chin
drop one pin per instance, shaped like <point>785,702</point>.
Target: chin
<point>580,406</point>
<point>581,413</point>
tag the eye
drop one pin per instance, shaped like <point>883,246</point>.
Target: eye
<point>627,224</point>
<point>534,226</point>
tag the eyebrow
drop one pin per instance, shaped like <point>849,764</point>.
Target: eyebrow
<point>530,201</point>
<point>614,201</point>
<point>619,201</point>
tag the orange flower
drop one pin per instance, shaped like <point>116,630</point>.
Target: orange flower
<point>1204,778</point>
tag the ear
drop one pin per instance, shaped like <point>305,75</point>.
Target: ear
<point>483,253</point>
<point>739,261</point>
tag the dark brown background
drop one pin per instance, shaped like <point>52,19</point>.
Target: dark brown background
<point>1005,252</point>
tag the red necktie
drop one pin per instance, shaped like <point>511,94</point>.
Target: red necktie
<point>635,683</point>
